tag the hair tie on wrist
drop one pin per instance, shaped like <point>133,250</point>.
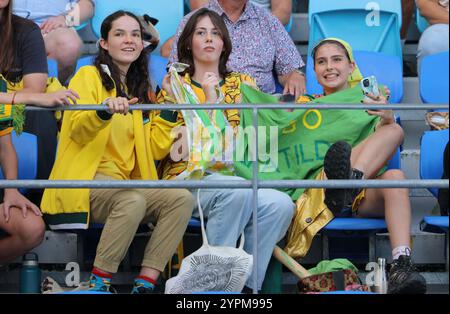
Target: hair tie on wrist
<point>13,98</point>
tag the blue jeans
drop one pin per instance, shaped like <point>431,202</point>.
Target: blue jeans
<point>433,40</point>
<point>229,213</point>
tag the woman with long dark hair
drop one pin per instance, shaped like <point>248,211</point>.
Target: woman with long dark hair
<point>118,144</point>
<point>205,46</point>
<point>19,218</point>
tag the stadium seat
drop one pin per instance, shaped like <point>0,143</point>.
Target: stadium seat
<point>26,149</point>
<point>431,167</point>
<point>433,78</point>
<point>432,147</point>
<point>86,60</point>
<point>421,22</point>
<point>352,21</point>
<point>169,14</point>
<point>157,67</point>
<point>387,69</point>
<point>344,228</point>
<point>434,224</point>
<point>52,68</point>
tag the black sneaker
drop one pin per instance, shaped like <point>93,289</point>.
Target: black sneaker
<point>142,290</point>
<point>337,167</point>
<point>404,278</point>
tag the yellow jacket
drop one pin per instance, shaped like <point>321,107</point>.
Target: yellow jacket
<point>311,215</point>
<point>83,139</point>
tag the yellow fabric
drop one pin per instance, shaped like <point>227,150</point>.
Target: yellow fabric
<point>119,158</point>
<point>83,140</point>
<point>231,89</point>
<point>311,215</point>
<point>356,76</point>
<point>5,112</point>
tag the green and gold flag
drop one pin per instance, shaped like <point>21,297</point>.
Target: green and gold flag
<point>304,135</point>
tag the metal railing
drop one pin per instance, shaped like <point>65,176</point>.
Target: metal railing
<point>254,183</point>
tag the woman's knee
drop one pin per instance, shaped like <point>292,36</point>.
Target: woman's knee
<point>281,204</point>
<point>394,174</point>
<point>131,205</point>
<point>184,202</point>
<point>32,231</point>
<point>396,131</point>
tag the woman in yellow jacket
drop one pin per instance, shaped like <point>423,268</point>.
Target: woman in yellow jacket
<point>118,145</point>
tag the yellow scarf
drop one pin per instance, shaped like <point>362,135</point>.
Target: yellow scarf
<point>356,75</point>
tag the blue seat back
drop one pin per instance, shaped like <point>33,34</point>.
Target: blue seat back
<point>26,150</point>
<point>348,19</point>
<point>387,69</point>
<point>83,61</point>
<point>432,148</point>
<point>433,78</point>
<point>169,14</point>
<point>421,22</point>
<point>52,68</point>
<point>157,68</point>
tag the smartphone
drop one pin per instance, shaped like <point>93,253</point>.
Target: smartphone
<point>370,85</point>
<point>287,98</point>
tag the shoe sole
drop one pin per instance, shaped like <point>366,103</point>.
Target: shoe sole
<point>337,167</point>
<point>411,287</point>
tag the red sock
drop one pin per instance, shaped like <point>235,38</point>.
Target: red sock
<point>101,273</point>
<point>148,279</point>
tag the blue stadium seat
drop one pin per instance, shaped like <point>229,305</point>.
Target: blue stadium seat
<point>431,167</point>
<point>357,227</point>
<point>157,67</point>
<point>52,68</point>
<point>434,224</point>
<point>387,69</point>
<point>347,19</point>
<point>433,78</point>
<point>86,60</point>
<point>421,22</point>
<point>432,147</point>
<point>26,149</point>
<point>169,14</point>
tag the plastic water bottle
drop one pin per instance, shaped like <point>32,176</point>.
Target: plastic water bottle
<point>380,277</point>
<point>30,274</point>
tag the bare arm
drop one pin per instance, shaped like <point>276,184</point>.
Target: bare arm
<point>282,9</point>
<point>432,11</point>
<point>86,10</point>
<point>83,11</point>
<point>34,83</point>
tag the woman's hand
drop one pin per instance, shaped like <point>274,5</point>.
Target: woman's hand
<point>119,104</point>
<point>13,198</point>
<point>167,87</point>
<point>59,98</point>
<point>209,85</point>
<point>387,116</point>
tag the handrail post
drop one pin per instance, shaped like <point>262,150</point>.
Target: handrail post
<point>255,203</point>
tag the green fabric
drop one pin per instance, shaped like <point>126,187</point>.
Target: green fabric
<point>333,265</point>
<point>303,138</point>
<point>274,276</point>
<point>17,117</point>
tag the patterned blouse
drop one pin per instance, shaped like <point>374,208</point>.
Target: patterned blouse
<point>231,88</point>
<point>261,45</point>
